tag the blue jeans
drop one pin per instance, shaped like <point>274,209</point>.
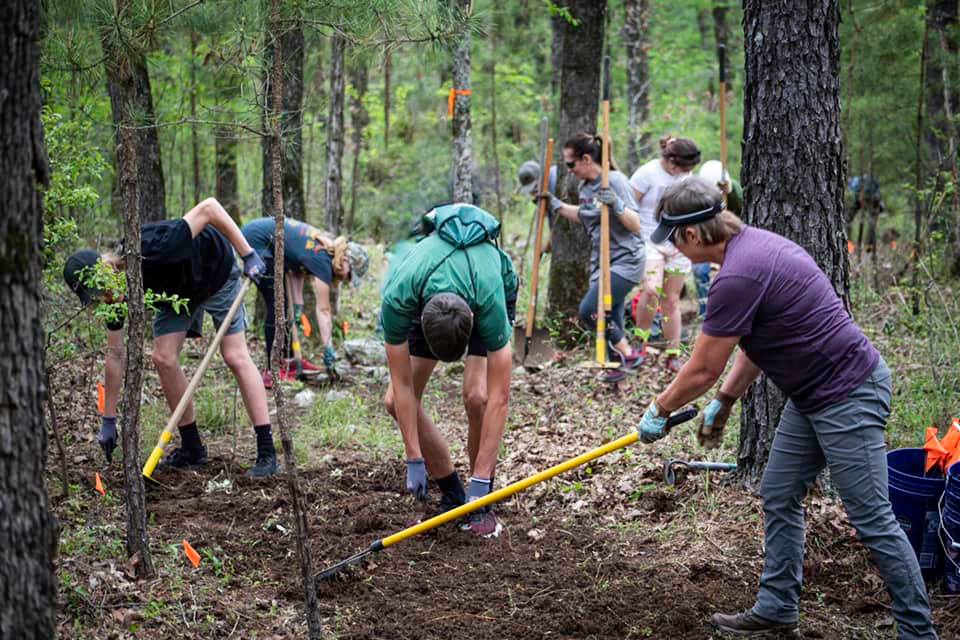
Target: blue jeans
<point>849,438</point>
<point>701,275</point>
<point>619,288</point>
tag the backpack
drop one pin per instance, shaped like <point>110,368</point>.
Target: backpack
<point>464,225</point>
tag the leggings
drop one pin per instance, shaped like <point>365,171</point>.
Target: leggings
<point>270,322</point>
<point>588,308</point>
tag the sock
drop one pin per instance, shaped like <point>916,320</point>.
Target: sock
<point>108,429</point>
<point>451,486</point>
<point>264,439</point>
<point>479,487</point>
<point>190,436</point>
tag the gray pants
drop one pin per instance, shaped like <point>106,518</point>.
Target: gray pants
<point>849,437</point>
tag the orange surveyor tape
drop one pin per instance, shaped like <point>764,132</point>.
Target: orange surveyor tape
<point>192,554</point>
<point>101,398</point>
<point>346,327</point>
<point>936,453</point>
<point>305,323</point>
<point>98,484</point>
<point>851,248</point>
<point>452,99</point>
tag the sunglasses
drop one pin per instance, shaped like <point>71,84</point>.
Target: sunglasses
<point>571,165</point>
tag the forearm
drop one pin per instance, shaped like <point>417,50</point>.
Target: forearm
<point>569,211</point>
<point>630,220</point>
<point>113,373</point>
<point>213,213</point>
<point>742,375</point>
<point>691,383</point>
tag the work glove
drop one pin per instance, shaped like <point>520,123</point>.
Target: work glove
<point>553,202</point>
<point>329,356</point>
<point>417,478</point>
<point>714,420</point>
<point>653,426</point>
<point>107,438</point>
<point>253,266</point>
<point>609,197</point>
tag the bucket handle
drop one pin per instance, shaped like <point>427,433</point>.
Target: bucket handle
<point>941,531</point>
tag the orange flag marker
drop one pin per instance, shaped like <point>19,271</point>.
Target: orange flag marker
<point>935,451</point>
<point>305,323</point>
<point>851,248</point>
<point>192,554</point>
<point>98,485</point>
<point>101,398</point>
<point>346,327</point>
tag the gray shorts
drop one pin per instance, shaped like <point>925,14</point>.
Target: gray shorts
<point>166,320</point>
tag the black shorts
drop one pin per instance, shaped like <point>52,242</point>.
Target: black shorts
<point>419,347</point>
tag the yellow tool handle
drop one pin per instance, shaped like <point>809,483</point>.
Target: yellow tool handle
<point>509,490</point>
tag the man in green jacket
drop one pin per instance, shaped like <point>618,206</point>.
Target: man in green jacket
<point>454,292</point>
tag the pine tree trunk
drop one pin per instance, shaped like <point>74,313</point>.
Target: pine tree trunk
<point>582,48</point>
<point>122,62</point>
<point>556,53</point>
<point>302,529</point>
<point>635,30</point>
<point>292,124</point>
<point>359,119</point>
<point>194,140</point>
<point>793,163</point>
<point>462,140</point>
<point>28,534</point>
<point>387,91</point>
<point>333,195</point>
<point>225,139</point>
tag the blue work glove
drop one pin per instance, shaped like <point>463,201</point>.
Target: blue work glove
<point>417,478</point>
<point>553,202</point>
<point>609,197</point>
<point>107,438</point>
<point>329,356</point>
<point>652,425</point>
<point>253,266</point>
<point>714,420</point>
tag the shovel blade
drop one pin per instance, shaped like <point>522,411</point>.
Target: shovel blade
<point>333,570</point>
<point>533,352</point>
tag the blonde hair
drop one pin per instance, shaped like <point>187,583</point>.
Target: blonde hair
<point>697,194</point>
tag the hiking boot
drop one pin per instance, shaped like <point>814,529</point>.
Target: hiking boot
<point>265,466</point>
<point>484,523</point>
<point>747,623</point>
<point>183,458</point>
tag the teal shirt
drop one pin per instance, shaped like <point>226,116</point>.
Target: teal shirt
<point>481,274</point>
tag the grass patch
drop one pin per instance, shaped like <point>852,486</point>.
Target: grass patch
<point>348,423</point>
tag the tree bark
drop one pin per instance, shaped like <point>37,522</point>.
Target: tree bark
<point>28,531</point>
<point>387,91</point>
<point>302,529</point>
<point>194,140</point>
<point>635,31</point>
<point>123,62</point>
<point>556,53</point>
<point>493,127</point>
<point>793,163</point>
<point>359,119</point>
<point>582,48</point>
<point>462,134</point>
<point>291,124</point>
<point>333,194</point>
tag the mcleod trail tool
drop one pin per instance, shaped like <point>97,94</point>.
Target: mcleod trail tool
<point>545,160</point>
<point>167,434</point>
<point>500,494</point>
<point>670,477</point>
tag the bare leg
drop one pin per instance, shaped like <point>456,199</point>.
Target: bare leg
<point>234,350</point>
<point>434,447</point>
<point>475,403</point>
<point>646,309</point>
<point>672,321</point>
<point>166,359</point>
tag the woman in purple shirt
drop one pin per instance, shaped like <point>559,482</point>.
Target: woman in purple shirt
<point>772,300</point>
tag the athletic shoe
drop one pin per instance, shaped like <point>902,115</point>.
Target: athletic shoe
<point>747,623</point>
<point>634,359</point>
<point>265,466</point>
<point>308,367</point>
<point>611,376</point>
<point>267,379</point>
<point>286,375</point>
<point>484,523</point>
<point>182,458</point>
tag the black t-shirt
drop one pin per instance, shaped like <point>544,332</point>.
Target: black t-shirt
<point>176,263</point>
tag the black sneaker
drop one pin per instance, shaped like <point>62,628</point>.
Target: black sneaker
<point>747,623</point>
<point>183,458</point>
<point>265,467</point>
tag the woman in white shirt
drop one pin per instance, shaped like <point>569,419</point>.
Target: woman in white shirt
<point>666,267</point>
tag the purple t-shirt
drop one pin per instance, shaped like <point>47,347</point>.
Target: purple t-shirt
<point>791,323</point>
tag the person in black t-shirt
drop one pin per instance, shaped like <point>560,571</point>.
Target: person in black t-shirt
<point>193,259</point>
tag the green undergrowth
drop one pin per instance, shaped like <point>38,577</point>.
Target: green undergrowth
<point>355,423</point>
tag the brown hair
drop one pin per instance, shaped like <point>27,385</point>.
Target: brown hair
<point>585,144</point>
<point>697,194</point>
<point>447,323</point>
<point>683,152</point>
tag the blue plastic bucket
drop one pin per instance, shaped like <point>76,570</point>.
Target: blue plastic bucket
<point>915,499</point>
<point>950,536</point>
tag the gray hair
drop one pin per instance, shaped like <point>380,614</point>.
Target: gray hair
<point>697,194</point>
